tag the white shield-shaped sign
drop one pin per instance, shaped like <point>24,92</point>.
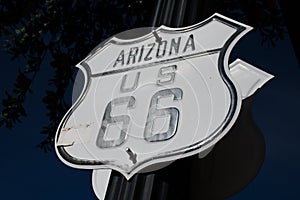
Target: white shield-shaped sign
<point>154,99</point>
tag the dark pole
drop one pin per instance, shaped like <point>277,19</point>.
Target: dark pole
<point>178,13</point>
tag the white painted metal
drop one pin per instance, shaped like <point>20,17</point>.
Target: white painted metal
<point>100,181</point>
<point>248,78</point>
<point>154,99</point>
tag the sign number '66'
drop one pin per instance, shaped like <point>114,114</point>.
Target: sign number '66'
<point>153,112</point>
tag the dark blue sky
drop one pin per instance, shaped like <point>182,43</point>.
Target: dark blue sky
<point>276,112</point>
<point>26,172</point>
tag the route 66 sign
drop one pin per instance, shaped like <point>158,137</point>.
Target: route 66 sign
<point>160,97</point>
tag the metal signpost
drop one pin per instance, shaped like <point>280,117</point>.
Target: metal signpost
<point>156,98</point>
